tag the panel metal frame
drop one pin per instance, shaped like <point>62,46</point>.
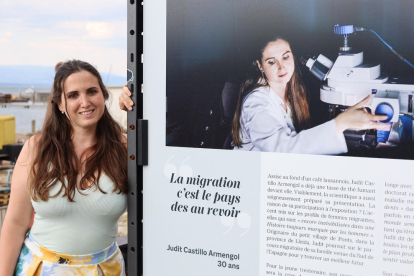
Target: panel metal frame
<point>135,171</point>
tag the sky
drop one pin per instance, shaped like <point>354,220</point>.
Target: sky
<point>44,32</point>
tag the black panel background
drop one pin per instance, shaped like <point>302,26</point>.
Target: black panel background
<point>210,42</point>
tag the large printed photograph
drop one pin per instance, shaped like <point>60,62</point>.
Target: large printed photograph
<point>311,77</point>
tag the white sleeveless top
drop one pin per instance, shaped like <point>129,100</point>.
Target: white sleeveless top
<point>85,226</point>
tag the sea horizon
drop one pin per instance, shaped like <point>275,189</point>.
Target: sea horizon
<point>20,89</point>
<point>16,89</point>
<point>24,116</point>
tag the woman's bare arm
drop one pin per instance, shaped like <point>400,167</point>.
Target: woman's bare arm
<point>19,212</point>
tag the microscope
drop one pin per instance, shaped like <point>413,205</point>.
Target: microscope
<point>350,79</point>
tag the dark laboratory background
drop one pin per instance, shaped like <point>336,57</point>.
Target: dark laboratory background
<point>210,46</point>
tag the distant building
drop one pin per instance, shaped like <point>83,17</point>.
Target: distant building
<point>41,96</point>
<point>37,96</point>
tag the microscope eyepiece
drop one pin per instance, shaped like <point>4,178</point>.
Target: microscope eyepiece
<point>319,67</point>
<point>304,59</point>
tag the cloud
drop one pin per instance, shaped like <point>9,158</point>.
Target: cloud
<point>93,30</point>
<point>48,51</point>
<point>4,40</point>
<point>5,37</point>
<point>43,32</point>
<point>38,12</point>
<point>100,30</point>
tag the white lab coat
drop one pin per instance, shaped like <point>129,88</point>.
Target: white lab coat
<point>265,126</point>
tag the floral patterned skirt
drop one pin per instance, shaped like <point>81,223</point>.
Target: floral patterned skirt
<point>36,260</point>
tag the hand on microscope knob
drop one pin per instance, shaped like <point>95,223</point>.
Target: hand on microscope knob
<point>357,117</point>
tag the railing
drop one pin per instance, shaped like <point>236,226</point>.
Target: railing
<point>3,211</point>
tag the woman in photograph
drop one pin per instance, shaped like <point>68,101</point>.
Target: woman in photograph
<point>74,176</point>
<point>273,113</point>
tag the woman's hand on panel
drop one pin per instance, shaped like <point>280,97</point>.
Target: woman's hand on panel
<point>125,102</point>
<point>357,117</point>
